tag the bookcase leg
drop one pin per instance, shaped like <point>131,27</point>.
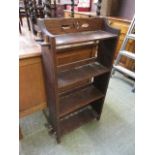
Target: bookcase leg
<point>133,89</point>
<point>97,106</point>
<point>20,134</point>
<point>50,127</point>
<point>45,113</point>
<point>58,139</point>
<point>98,117</point>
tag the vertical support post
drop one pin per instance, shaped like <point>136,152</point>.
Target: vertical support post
<point>20,134</point>
<point>72,8</point>
<point>98,13</point>
<point>47,8</point>
<point>51,84</point>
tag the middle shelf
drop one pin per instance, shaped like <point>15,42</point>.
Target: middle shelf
<point>76,75</point>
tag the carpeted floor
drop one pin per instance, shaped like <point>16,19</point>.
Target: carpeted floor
<point>114,134</point>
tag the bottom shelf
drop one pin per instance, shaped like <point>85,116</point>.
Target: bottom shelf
<point>77,119</point>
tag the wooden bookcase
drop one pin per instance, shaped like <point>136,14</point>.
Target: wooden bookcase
<point>76,89</point>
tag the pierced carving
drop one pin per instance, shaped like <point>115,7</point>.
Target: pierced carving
<point>85,25</point>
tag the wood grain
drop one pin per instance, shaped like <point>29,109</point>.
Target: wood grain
<point>77,120</point>
<point>78,99</point>
<point>73,76</point>
<point>97,73</point>
<point>31,86</point>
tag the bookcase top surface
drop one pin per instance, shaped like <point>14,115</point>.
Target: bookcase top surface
<point>74,30</point>
<point>73,38</point>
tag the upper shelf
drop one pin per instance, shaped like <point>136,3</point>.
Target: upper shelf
<point>76,75</point>
<point>79,37</point>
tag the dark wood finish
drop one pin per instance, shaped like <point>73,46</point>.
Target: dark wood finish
<point>78,99</point>
<point>83,37</point>
<point>72,25</point>
<point>70,77</point>
<point>20,134</point>
<point>78,53</point>
<point>51,84</point>
<point>106,50</point>
<point>72,65</point>
<point>72,8</point>
<point>77,120</point>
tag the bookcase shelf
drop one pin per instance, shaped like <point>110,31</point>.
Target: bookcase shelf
<point>76,89</point>
<point>78,74</point>
<point>81,37</point>
<point>76,120</point>
<point>78,99</point>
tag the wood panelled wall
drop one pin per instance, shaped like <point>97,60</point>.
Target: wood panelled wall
<point>123,25</point>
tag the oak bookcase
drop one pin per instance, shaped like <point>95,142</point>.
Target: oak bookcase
<point>76,90</point>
